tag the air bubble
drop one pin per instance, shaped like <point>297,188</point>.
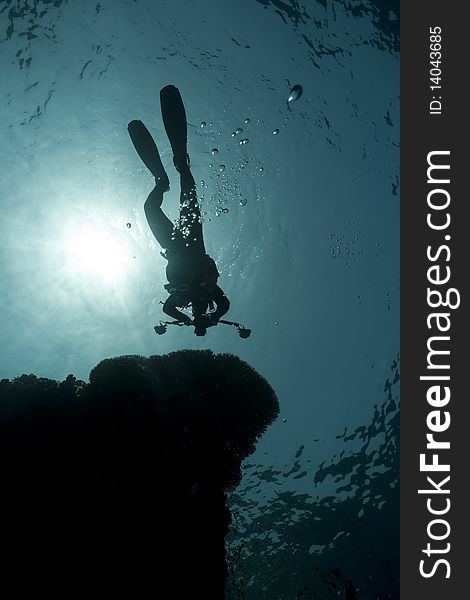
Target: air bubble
<point>214,151</point>
<point>295,93</point>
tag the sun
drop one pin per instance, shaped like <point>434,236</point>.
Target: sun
<point>96,252</point>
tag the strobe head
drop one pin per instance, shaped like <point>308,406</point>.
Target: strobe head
<point>160,329</point>
<point>244,333</point>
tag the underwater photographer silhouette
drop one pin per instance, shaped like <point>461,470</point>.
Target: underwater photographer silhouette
<point>191,273</point>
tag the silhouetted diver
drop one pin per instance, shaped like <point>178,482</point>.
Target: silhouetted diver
<point>192,274</point>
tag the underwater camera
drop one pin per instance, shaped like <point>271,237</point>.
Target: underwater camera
<point>201,323</point>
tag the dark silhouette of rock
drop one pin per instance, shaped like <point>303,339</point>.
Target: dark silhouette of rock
<point>118,486</point>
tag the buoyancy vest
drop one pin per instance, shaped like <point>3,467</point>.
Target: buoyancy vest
<point>186,272</point>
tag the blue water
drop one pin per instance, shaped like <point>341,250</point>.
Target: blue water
<point>303,224</point>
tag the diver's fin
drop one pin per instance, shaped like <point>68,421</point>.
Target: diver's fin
<point>148,152</point>
<point>174,120</point>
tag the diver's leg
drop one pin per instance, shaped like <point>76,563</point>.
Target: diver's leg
<point>174,121</point>
<point>160,225</point>
<point>190,214</point>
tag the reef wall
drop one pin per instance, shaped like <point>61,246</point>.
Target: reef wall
<point>118,486</point>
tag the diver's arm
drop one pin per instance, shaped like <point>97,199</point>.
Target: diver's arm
<point>222,302</point>
<point>169,308</point>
